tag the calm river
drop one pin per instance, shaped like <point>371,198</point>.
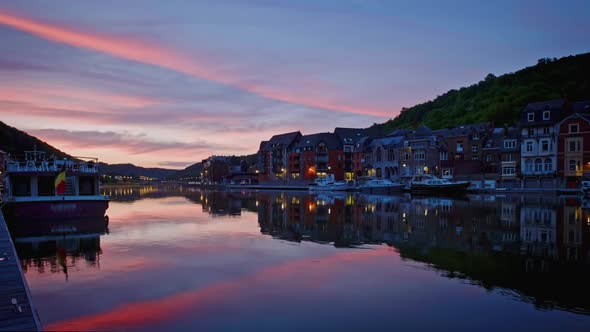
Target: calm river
<point>183,259</point>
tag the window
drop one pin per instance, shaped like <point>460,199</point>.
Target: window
<point>529,146</point>
<point>419,170</point>
<point>508,170</point>
<point>531,132</point>
<point>545,145</point>
<point>546,131</point>
<point>538,165</point>
<point>528,165</point>
<point>546,115</point>
<point>548,165</point>
<point>489,158</point>
<point>475,136</point>
<point>459,147</point>
<point>406,156</point>
<point>508,157</point>
<point>475,158</point>
<point>531,116</point>
<point>574,128</point>
<point>474,148</point>
<point>574,146</point>
<point>391,154</point>
<point>444,155</point>
<point>510,144</point>
<point>572,165</point>
<point>378,154</point>
<point>419,155</point>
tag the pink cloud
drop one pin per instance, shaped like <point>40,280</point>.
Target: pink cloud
<point>154,54</point>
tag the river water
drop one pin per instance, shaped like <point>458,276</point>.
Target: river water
<point>184,259</point>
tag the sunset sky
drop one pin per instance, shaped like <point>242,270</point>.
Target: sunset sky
<point>167,83</point>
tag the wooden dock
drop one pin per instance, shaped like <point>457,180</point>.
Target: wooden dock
<point>17,312</point>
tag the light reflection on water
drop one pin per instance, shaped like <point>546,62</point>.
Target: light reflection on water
<point>180,258</point>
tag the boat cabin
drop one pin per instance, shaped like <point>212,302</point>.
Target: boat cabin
<point>35,175</point>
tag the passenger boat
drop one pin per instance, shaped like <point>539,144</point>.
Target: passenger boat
<point>327,183</point>
<point>38,187</point>
<point>380,186</point>
<point>431,185</point>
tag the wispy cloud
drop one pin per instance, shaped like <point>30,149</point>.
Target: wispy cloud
<point>203,67</point>
<point>132,144</point>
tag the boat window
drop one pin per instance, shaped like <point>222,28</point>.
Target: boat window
<point>21,186</point>
<point>87,185</point>
<point>46,186</point>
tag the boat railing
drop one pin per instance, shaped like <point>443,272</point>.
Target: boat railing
<point>79,166</point>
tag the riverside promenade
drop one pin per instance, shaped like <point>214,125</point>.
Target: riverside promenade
<point>17,312</point>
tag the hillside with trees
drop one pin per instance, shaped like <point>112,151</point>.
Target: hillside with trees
<point>500,99</point>
<point>16,142</point>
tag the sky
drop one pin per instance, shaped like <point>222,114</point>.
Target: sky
<point>168,83</point>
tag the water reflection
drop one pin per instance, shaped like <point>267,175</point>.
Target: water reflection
<point>530,248</point>
<point>54,247</point>
<point>534,248</point>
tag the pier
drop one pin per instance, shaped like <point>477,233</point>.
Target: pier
<point>17,312</point>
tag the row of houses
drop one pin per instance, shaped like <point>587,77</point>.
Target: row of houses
<point>549,147</point>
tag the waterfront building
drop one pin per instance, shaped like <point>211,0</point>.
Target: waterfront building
<point>510,158</point>
<point>421,153</point>
<point>386,155</point>
<point>272,156</point>
<point>316,155</point>
<point>538,161</point>
<point>465,148</point>
<point>573,153</point>
<point>349,137</point>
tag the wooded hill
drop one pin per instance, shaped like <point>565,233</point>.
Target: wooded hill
<point>500,99</point>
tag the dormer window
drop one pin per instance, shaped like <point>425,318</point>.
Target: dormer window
<point>475,136</point>
<point>546,115</point>
<point>531,116</point>
<point>574,128</point>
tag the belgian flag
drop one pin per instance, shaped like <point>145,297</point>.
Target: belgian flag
<point>60,182</point>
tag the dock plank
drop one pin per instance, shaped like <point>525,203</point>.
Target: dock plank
<point>13,286</point>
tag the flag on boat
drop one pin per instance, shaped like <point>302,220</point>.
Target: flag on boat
<point>60,183</point>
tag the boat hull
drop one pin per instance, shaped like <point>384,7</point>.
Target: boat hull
<point>381,190</point>
<point>453,189</point>
<point>15,212</point>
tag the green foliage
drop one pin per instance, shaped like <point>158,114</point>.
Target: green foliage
<point>500,99</point>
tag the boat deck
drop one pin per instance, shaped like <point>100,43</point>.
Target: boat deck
<point>16,309</point>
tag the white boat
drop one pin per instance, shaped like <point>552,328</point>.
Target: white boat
<point>380,186</point>
<point>327,183</point>
<point>428,184</point>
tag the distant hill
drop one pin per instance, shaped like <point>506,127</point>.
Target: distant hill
<point>135,171</point>
<point>500,99</point>
<point>16,142</point>
<point>196,169</point>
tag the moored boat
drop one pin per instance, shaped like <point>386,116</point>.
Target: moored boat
<point>430,185</point>
<point>380,186</point>
<point>327,183</point>
<point>38,187</point>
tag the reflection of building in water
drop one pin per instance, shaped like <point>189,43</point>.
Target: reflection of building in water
<point>571,235</point>
<point>218,203</point>
<point>538,228</point>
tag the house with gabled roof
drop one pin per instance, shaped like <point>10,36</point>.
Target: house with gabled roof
<point>316,155</point>
<point>272,155</point>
